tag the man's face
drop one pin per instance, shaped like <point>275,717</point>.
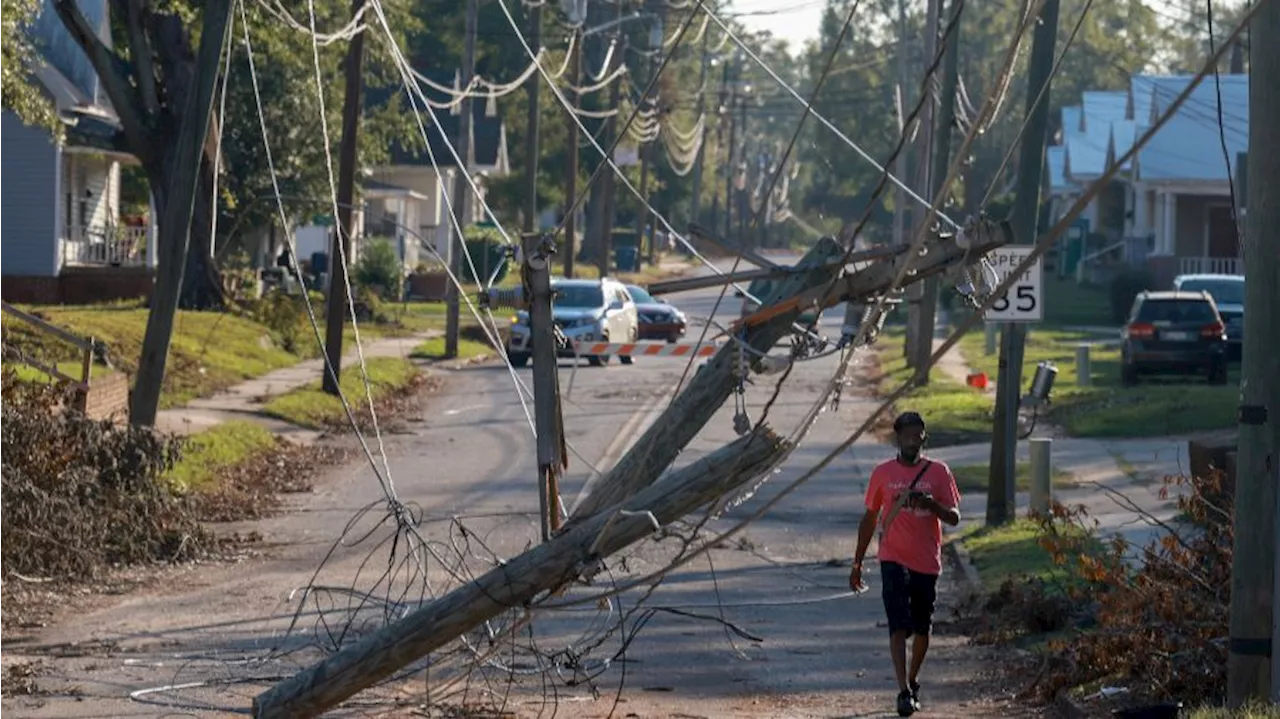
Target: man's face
<point>910,440</point>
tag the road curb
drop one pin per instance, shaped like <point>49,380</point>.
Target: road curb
<point>969,576</point>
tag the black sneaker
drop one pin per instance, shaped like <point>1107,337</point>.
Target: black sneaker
<point>914,687</point>
<point>906,703</point>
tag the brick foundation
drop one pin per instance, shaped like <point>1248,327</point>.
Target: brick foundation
<point>80,286</point>
<point>107,397</point>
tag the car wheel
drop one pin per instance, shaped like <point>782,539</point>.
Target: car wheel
<point>518,359</point>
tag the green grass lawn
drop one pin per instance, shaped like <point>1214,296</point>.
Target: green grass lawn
<point>1012,551</point>
<point>973,477</point>
<point>210,351</point>
<point>312,407</point>
<point>216,449</point>
<point>1106,408</point>
<point>1069,304</point>
<point>956,413</point>
<point>433,349</point>
<point>1250,712</point>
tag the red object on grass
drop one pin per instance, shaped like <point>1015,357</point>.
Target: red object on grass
<point>977,379</point>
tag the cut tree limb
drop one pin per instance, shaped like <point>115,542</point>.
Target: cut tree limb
<point>545,568</point>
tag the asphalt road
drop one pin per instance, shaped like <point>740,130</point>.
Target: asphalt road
<point>466,466</point>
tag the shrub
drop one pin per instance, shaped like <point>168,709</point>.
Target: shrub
<point>81,495</point>
<point>1157,628</point>
<point>1124,287</point>
<point>379,269</point>
<point>286,316</point>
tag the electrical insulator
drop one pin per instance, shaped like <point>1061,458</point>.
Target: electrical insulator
<point>503,298</point>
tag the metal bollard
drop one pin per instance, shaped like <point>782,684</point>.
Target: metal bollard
<point>1083,375</point>
<point>1041,474</point>
<point>991,338</point>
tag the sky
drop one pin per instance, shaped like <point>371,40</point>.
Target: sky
<point>797,20</point>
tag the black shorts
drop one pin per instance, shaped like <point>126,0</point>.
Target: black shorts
<point>908,598</point>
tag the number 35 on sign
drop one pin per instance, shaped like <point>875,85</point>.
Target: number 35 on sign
<point>1024,301</point>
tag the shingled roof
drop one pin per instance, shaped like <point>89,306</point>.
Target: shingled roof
<point>488,132</point>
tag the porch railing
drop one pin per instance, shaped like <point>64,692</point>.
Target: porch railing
<point>1210,266</point>
<point>118,246</point>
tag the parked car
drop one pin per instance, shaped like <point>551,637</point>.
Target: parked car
<point>1228,293</point>
<point>1174,332</point>
<point>659,320</point>
<point>585,311</point>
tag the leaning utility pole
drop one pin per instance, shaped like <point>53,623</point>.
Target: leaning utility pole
<point>552,453</point>
<point>1002,470</point>
<point>188,155</point>
<point>941,161</point>
<point>917,334</point>
<point>340,255</point>
<point>571,180</point>
<point>1253,631</point>
<point>531,142</point>
<point>461,186</point>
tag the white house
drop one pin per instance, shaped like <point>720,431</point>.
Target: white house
<point>63,237</point>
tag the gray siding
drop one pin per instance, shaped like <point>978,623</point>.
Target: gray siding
<point>28,231</point>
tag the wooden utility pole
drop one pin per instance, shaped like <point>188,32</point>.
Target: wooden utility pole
<point>941,161</point>
<point>176,223</point>
<point>648,154</point>
<point>571,180</point>
<point>917,334</point>
<point>552,455</point>
<point>531,142</point>
<point>461,186</point>
<point>344,229</point>
<point>1002,469</point>
<point>1252,674</point>
<point>605,260</point>
<point>695,202</point>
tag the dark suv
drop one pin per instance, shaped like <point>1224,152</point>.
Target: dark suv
<point>1174,332</point>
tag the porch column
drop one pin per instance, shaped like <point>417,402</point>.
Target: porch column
<point>1169,229</point>
<point>153,238</point>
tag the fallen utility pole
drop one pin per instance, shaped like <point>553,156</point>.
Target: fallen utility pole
<point>549,422</point>
<point>685,284</point>
<point>345,226</point>
<point>941,161</point>
<point>1002,468</point>
<point>461,186</point>
<point>748,254</point>
<point>819,286</point>
<point>577,553</point>
<point>1252,668</point>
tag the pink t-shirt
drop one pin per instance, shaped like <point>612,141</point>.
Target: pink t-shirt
<point>914,538</point>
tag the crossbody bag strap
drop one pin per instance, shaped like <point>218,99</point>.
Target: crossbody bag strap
<point>902,499</point>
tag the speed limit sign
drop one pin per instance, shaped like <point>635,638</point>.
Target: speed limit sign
<point>1024,302</point>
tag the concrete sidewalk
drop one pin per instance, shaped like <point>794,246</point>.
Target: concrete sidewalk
<point>244,400</point>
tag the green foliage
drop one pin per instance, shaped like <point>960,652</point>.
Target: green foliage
<point>1124,287</point>
<point>379,269</point>
<point>214,450</point>
<point>19,91</point>
<point>488,251</point>
<point>286,316</point>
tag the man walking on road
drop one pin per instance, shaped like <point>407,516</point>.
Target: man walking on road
<point>914,494</point>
